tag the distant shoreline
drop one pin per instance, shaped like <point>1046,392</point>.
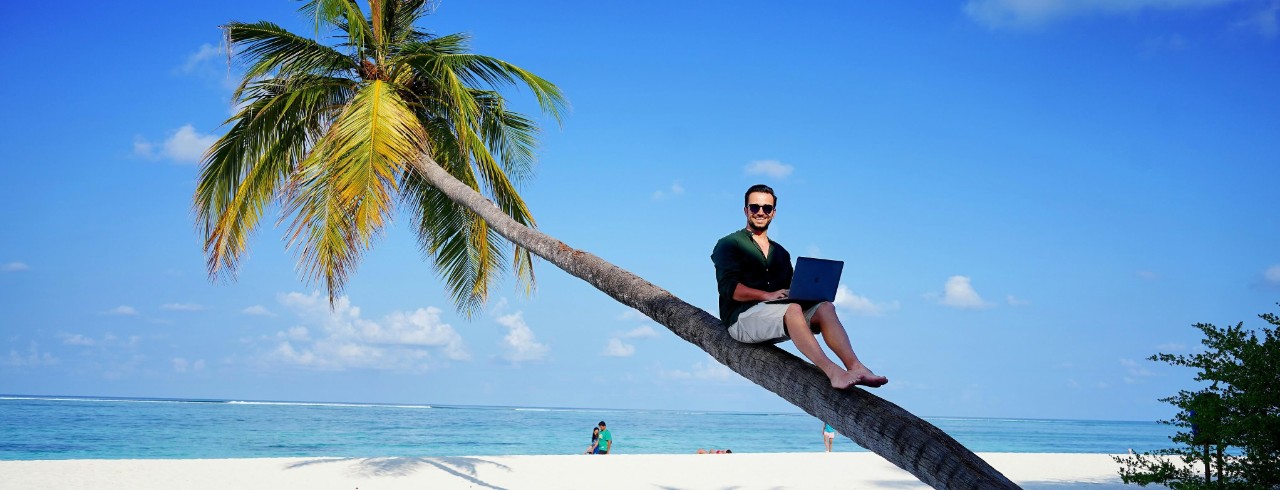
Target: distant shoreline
<point>90,398</point>
<point>814,470</point>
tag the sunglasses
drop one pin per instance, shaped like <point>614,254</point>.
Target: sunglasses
<point>756,208</point>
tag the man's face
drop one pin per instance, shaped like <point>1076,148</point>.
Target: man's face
<point>759,210</point>
<point>601,428</point>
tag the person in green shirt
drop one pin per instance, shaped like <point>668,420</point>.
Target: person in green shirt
<point>605,442</point>
<point>752,269</point>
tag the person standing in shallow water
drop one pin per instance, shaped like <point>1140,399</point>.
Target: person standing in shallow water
<point>828,435</point>
<point>752,269</point>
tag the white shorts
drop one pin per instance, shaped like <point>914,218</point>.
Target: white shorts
<point>763,323</point>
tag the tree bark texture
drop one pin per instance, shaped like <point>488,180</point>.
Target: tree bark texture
<point>873,423</point>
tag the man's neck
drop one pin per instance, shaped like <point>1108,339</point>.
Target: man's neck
<point>758,233</point>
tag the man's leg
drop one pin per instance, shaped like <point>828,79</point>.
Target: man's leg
<point>798,329</point>
<point>838,340</point>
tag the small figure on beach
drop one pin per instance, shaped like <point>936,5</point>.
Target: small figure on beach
<point>752,269</point>
<point>595,437</point>
<point>604,443</point>
<point>828,435</point>
<point>714,451</point>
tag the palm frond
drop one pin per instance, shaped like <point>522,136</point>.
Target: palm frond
<point>322,233</point>
<point>343,14</point>
<point>467,254</point>
<point>342,196</point>
<point>510,135</point>
<point>245,167</point>
<point>405,14</point>
<point>270,48</point>
<point>447,54</point>
<point>328,131</point>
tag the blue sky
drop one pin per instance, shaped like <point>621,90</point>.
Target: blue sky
<point>1030,199</point>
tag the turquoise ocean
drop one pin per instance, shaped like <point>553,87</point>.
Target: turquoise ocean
<point>33,428</point>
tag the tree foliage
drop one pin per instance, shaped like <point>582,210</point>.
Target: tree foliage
<point>1230,435</point>
<point>328,133</point>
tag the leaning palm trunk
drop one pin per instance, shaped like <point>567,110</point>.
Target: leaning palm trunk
<point>878,425</point>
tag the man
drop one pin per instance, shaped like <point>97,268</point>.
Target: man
<point>605,443</point>
<point>751,269</point>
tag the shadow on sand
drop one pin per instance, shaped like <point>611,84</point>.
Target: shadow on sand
<point>462,467</point>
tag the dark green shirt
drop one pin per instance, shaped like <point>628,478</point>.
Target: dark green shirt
<point>740,261</point>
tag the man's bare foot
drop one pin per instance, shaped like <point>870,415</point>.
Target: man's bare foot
<point>867,378</point>
<point>841,379</point>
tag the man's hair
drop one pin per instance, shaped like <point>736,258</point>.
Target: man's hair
<point>601,424</point>
<point>746,198</point>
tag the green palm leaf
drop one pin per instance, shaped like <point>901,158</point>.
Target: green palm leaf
<point>278,50</point>
<point>342,194</point>
<point>246,166</point>
<point>329,132</point>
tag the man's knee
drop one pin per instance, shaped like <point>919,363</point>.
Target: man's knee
<point>825,310</point>
<point>794,309</point>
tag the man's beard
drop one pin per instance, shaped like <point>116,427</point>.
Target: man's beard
<point>753,228</point>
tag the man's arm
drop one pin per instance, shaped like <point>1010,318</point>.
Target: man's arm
<point>609,446</point>
<point>744,294</point>
<point>729,274</point>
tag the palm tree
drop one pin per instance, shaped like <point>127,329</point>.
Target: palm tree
<point>335,135</point>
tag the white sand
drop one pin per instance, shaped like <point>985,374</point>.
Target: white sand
<point>622,471</point>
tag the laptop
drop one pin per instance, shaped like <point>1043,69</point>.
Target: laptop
<point>814,281</point>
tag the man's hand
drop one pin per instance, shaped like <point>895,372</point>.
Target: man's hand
<point>779,294</point>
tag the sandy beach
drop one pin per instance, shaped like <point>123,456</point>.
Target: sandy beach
<point>692,471</point>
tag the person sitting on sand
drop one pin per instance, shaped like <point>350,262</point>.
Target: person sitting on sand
<point>752,269</point>
<point>595,437</point>
<point>715,451</point>
<point>605,443</point>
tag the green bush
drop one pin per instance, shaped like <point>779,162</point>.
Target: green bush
<point>1231,428</point>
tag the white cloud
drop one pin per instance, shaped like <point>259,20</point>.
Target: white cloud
<point>296,332</point>
<point>709,370</point>
<point>339,338</point>
<point>641,332</point>
<point>632,314</point>
<point>181,307</point>
<point>196,59</point>
<point>618,348</point>
<point>771,168</point>
<point>181,365</point>
<point>959,293</point>
<point>1264,21</point>
<point>257,310</point>
<point>1014,301</point>
<point>1134,371</point>
<point>675,190</point>
<point>1272,275</point>
<point>1148,275</point>
<point>76,339</point>
<point>33,357</point>
<point>520,343</point>
<point>846,300</point>
<point>122,310</point>
<point>185,145</point>
<point>1034,13</point>
<point>14,267</point>
<point>1171,347</point>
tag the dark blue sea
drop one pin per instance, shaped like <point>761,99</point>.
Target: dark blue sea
<point>113,428</point>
